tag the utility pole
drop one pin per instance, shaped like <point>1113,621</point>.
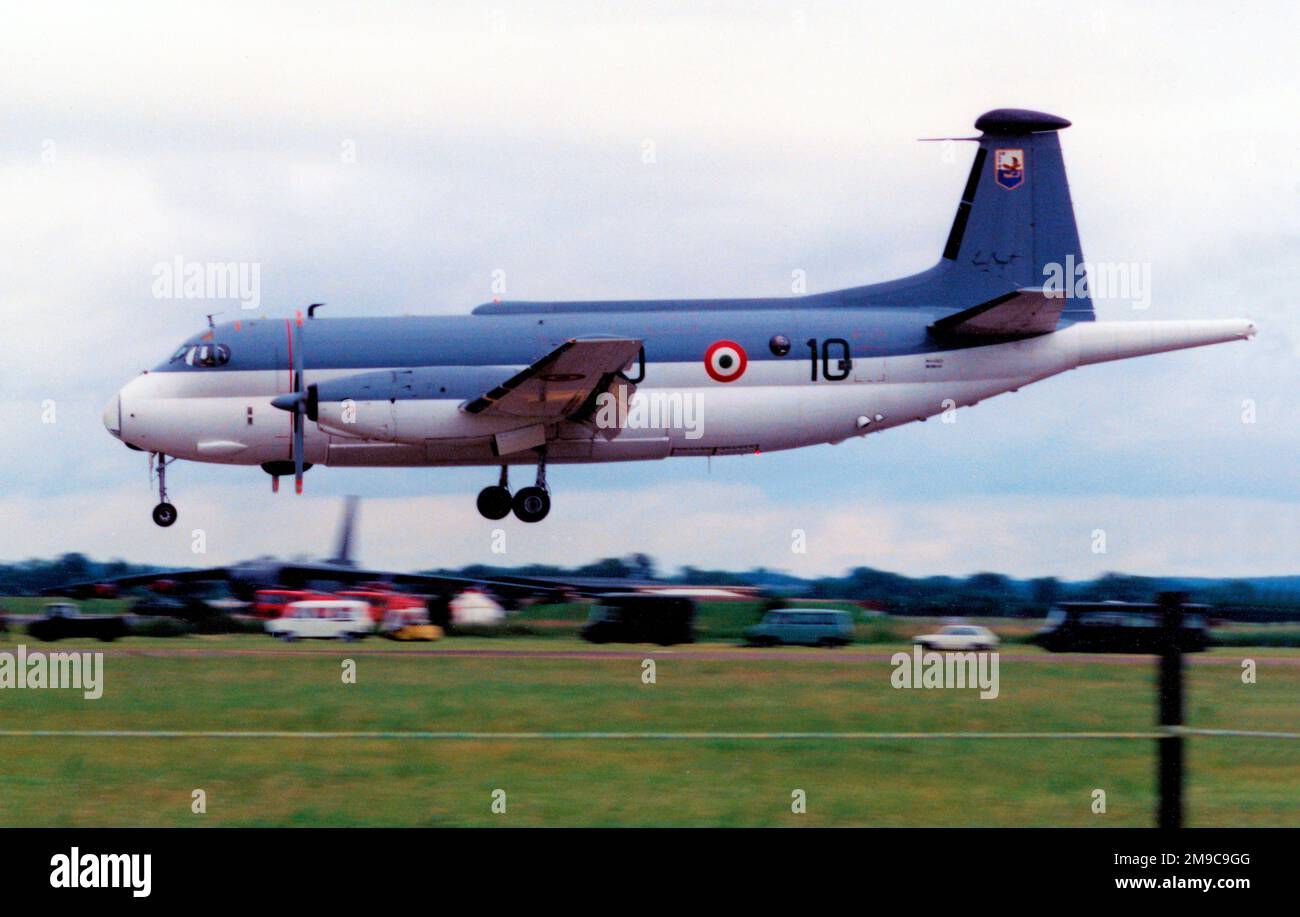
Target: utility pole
<point>1170,747</point>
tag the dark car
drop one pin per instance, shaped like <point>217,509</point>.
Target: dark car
<point>636,617</point>
<point>62,622</point>
<point>1117,627</point>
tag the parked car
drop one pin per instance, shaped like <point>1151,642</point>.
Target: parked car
<point>62,620</point>
<point>409,624</point>
<point>328,619</point>
<point>1118,627</point>
<point>802,626</point>
<point>958,637</point>
<point>635,617</point>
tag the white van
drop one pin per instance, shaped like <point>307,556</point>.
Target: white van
<point>330,619</point>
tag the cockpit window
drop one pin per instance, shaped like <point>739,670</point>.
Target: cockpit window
<point>203,355</point>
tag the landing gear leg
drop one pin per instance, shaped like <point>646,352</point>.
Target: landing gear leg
<point>164,514</point>
<point>494,502</point>
<point>532,504</point>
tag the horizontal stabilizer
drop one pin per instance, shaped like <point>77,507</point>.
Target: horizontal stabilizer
<point>1023,313</point>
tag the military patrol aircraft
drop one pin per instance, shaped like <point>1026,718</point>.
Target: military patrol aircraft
<point>536,382</point>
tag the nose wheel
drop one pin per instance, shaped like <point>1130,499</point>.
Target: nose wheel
<point>164,514</point>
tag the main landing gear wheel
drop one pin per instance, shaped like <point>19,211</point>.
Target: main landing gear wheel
<point>494,502</point>
<point>164,514</point>
<point>532,504</point>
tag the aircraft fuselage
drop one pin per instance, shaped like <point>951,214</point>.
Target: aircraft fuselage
<point>847,372</point>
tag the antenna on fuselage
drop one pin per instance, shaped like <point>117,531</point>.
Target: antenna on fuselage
<point>210,322</point>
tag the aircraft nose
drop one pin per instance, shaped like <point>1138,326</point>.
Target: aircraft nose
<point>113,415</point>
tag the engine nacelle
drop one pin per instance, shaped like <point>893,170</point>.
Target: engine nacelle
<point>359,419</point>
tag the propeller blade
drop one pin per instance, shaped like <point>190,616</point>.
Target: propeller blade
<point>297,353</point>
<point>297,448</point>
<point>299,408</point>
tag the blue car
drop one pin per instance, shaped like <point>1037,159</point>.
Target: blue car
<point>802,627</point>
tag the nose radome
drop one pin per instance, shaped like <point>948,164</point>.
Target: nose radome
<point>113,415</point>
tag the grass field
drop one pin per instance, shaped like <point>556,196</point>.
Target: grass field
<point>251,683</point>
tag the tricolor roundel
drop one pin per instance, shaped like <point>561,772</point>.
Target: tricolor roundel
<point>725,361</point>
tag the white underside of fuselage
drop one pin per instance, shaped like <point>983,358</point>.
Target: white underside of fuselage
<point>227,417</point>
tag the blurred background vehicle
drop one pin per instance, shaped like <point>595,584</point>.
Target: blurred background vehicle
<point>382,600</point>
<point>271,603</point>
<point>634,617</point>
<point>329,619</point>
<point>62,620</point>
<point>803,627</point>
<point>1117,627</point>
<point>409,624</point>
<point>958,637</point>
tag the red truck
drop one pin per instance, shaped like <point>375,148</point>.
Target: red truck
<point>383,601</point>
<point>270,603</point>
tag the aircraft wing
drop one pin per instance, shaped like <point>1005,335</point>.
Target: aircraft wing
<point>560,383</point>
<point>1022,313</point>
<point>91,589</point>
<point>279,575</point>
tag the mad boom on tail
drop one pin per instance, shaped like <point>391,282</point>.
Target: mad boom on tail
<point>529,382</point>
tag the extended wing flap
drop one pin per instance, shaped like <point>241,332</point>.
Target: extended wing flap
<point>1023,313</point>
<point>559,383</point>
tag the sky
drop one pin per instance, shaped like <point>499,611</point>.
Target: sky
<point>398,160</point>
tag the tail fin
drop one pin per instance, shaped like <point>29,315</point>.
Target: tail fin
<point>1015,220</point>
<point>343,548</point>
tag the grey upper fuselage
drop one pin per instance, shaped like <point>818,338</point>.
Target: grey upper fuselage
<point>877,320</point>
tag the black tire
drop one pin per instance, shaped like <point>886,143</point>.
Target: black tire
<point>164,514</point>
<point>531,504</point>
<point>494,502</point>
